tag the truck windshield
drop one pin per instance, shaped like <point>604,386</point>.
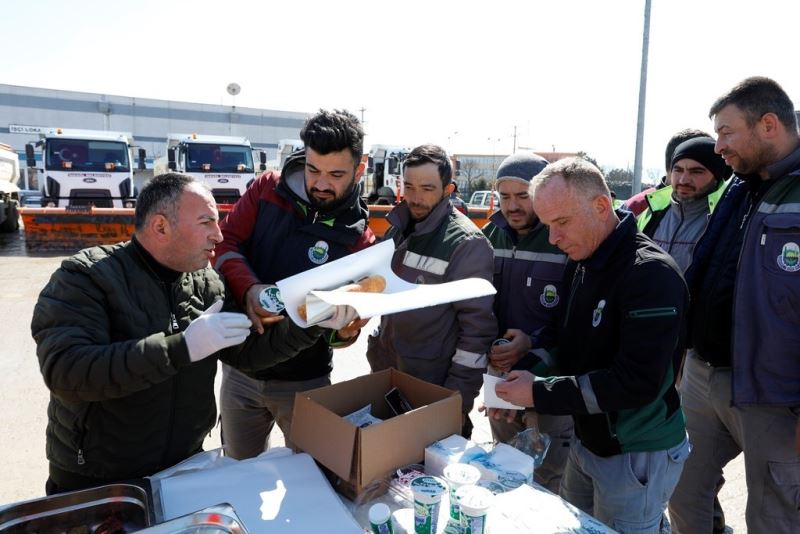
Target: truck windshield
<point>203,157</point>
<point>86,155</point>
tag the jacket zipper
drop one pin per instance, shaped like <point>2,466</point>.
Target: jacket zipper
<point>174,327</point>
<point>573,288</point>
<point>82,435</point>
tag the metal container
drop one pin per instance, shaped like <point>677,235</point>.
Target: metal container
<point>103,510</point>
<point>219,519</point>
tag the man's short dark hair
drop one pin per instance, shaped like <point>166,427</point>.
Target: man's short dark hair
<point>431,154</point>
<point>161,195</point>
<point>334,131</point>
<point>757,96</point>
<point>677,139</point>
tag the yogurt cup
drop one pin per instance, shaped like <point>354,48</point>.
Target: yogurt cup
<point>475,502</point>
<point>427,491</point>
<point>458,475</point>
<point>380,519</point>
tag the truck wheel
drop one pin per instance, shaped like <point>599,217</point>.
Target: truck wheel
<point>11,224</point>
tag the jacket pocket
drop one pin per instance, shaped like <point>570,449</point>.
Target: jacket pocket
<point>780,258</point>
<point>543,285</point>
<point>782,491</point>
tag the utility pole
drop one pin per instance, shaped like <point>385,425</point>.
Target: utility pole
<point>515,141</point>
<point>637,165</point>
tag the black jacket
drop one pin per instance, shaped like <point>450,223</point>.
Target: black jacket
<point>620,343</point>
<point>125,400</point>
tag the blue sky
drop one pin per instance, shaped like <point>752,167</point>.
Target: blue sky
<point>565,73</point>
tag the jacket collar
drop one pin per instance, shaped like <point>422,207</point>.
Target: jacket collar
<point>400,217</point>
<point>623,231</point>
<point>499,220</point>
<point>785,166</point>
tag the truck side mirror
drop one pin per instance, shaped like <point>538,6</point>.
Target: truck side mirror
<point>142,156</point>
<point>29,155</point>
<point>262,157</point>
<point>171,159</point>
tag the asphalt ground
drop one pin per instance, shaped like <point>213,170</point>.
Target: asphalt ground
<point>24,397</point>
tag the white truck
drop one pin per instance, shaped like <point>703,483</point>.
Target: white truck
<point>85,168</point>
<point>383,180</point>
<point>224,163</point>
<point>9,191</point>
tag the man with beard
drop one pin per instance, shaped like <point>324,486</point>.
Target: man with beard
<point>287,223</point>
<point>435,243</point>
<point>740,383</point>
<point>528,276</point>
<point>677,215</point>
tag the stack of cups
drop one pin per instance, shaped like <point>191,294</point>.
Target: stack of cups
<point>474,502</point>
<point>428,491</point>
<point>458,475</point>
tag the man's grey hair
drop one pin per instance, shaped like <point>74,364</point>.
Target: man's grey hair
<point>585,179</point>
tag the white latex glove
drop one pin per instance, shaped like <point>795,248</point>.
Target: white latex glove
<point>214,331</point>
<point>342,316</point>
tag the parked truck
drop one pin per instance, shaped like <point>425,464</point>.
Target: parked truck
<point>85,168</point>
<point>223,163</point>
<point>383,179</point>
<point>9,190</point>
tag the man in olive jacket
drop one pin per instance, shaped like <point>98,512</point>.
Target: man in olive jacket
<point>126,337</point>
<point>435,243</point>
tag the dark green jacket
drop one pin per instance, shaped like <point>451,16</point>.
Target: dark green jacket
<point>125,400</point>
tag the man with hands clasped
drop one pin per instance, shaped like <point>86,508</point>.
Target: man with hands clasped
<point>620,340</point>
<point>125,336</point>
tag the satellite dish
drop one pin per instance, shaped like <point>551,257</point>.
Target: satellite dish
<point>234,89</point>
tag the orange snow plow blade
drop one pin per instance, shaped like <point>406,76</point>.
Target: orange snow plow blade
<point>76,228</point>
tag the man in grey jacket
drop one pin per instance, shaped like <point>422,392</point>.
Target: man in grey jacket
<point>435,243</point>
<point>677,215</point>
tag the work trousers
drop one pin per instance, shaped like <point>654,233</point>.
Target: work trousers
<point>628,491</point>
<point>719,432</point>
<point>250,408</point>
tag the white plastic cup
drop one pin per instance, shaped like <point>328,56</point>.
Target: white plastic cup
<point>475,502</point>
<point>380,519</point>
<point>458,475</point>
<point>428,493</point>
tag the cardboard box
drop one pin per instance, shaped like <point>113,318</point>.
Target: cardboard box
<point>357,456</point>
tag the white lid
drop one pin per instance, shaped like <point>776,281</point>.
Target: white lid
<point>461,474</point>
<point>428,489</point>
<point>379,513</point>
<point>474,500</point>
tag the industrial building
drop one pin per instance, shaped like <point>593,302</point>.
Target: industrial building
<point>25,112</point>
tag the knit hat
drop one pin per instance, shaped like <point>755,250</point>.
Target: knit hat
<point>701,149</point>
<point>520,167</point>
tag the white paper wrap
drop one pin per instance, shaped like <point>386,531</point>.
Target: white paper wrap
<point>312,288</point>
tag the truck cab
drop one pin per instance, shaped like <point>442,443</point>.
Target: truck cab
<point>383,180</point>
<point>85,168</point>
<point>224,163</point>
<point>9,190</point>
<point>483,199</point>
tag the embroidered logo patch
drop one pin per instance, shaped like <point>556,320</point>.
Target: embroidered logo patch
<point>318,253</point>
<point>549,297</point>
<point>789,258</point>
<point>597,316</point>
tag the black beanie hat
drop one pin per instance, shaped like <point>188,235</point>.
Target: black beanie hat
<point>520,167</point>
<point>701,149</point>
